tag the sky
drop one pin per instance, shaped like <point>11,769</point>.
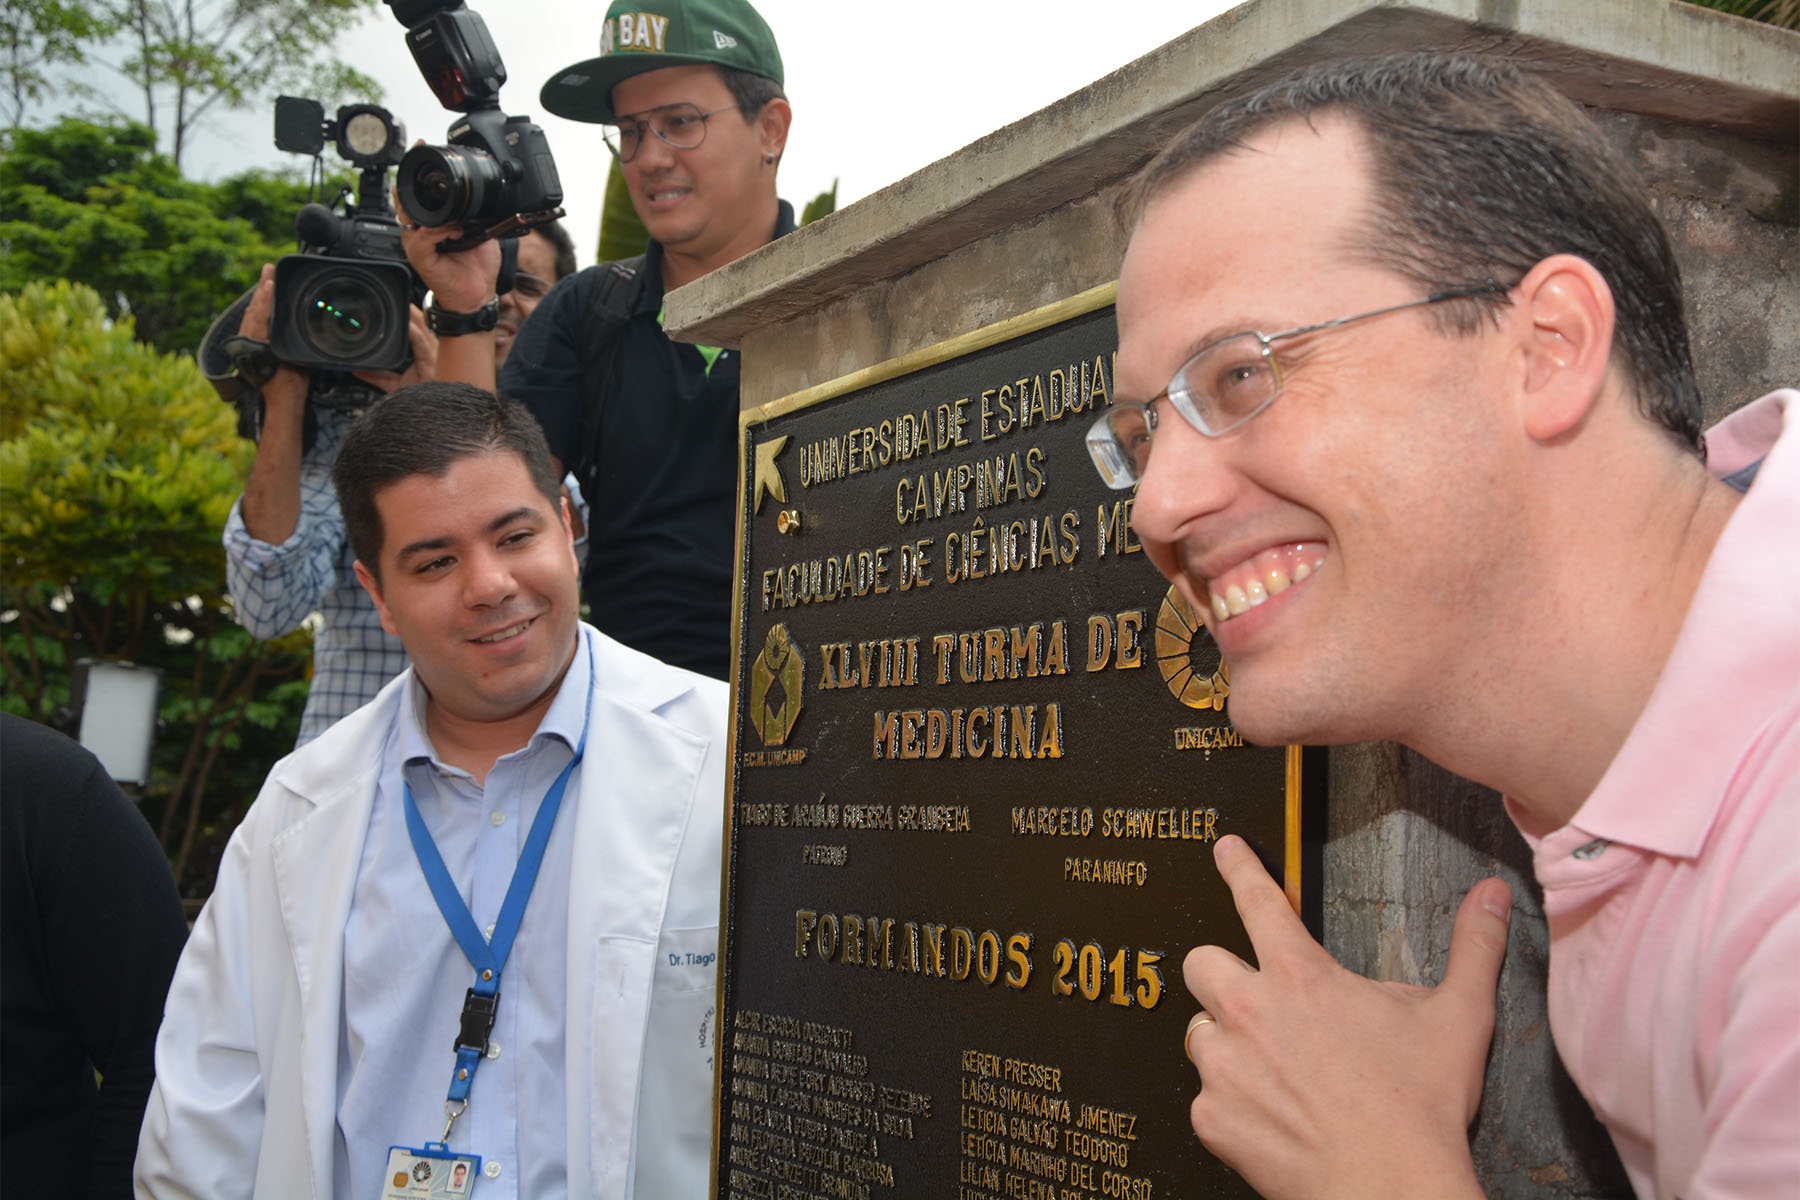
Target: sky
<point>879,89</point>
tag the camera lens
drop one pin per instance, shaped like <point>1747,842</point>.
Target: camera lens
<point>435,188</point>
<point>343,317</point>
<point>337,314</point>
<point>445,185</point>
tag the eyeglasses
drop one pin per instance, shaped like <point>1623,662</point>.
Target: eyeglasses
<point>682,126</point>
<point>1223,385</point>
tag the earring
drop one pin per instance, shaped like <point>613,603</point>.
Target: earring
<point>769,158</point>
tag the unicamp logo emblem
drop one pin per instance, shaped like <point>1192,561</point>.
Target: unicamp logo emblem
<point>775,685</point>
<point>1187,656</point>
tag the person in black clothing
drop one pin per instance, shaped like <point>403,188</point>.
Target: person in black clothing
<point>650,428</point>
<point>90,929</point>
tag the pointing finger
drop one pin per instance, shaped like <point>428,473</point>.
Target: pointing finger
<point>1269,919</point>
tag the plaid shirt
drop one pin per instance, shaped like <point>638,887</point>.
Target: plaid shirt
<point>275,588</point>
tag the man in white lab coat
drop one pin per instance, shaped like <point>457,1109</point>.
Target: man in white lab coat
<point>377,991</point>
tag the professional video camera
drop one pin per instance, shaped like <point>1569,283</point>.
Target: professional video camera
<point>496,176</point>
<point>341,303</point>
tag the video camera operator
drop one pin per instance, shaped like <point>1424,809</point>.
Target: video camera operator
<point>286,552</point>
<point>647,425</point>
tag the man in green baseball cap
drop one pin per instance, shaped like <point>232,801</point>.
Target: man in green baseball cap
<point>693,91</point>
<point>724,33</point>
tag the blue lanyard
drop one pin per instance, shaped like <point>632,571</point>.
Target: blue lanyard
<point>487,956</point>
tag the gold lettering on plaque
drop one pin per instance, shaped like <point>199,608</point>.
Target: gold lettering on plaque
<point>1067,821</point>
<point>878,663</point>
<point>851,575</point>
<point>934,818</point>
<point>1208,738</point>
<point>1003,731</point>
<point>1162,824</point>
<point>1124,631</point>
<point>962,487</point>
<point>805,1118</point>
<point>1025,544</point>
<point>1132,873</point>
<point>1114,523</point>
<point>1015,652</point>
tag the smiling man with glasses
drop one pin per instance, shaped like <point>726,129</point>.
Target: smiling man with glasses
<point>1475,517</point>
<point>1225,384</point>
<point>692,93</point>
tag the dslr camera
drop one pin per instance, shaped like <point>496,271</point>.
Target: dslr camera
<point>496,176</point>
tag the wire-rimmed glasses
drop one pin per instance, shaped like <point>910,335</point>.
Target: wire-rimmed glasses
<point>1223,385</point>
<point>682,126</point>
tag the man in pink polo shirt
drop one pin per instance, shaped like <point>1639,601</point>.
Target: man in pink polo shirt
<point>1404,384</point>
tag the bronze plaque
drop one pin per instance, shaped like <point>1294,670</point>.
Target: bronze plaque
<point>979,758</point>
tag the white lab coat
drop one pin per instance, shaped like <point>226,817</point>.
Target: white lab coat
<point>246,1062</point>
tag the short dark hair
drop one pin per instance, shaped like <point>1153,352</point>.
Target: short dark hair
<point>1479,174</point>
<point>751,91</point>
<point>425,429</point>
<point>560,241</point>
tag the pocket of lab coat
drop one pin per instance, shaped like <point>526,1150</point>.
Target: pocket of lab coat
<point>675,1095</point>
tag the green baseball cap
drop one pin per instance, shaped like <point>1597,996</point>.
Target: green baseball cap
<point>646,35</point>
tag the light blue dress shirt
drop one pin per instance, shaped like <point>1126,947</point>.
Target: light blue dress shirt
<point>405,977</point>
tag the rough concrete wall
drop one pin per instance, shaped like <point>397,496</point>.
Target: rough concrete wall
<point>1038,262</point>
<point>1732,207</point>
<point>1406,839</point>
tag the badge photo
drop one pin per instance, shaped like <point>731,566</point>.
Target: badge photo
<point>428,1172</point>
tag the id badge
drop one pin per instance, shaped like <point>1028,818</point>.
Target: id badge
<point>434,1170</point>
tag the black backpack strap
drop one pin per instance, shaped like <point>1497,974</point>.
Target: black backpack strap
<point>609,310</point>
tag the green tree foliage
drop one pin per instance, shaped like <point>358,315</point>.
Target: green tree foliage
<point>37,37</point>
<point>1784,14</point>
<point>95,204</point>
<point>118,465</point>
<point>622,232</point>
<point>821,205</point>
<point>186,59</point>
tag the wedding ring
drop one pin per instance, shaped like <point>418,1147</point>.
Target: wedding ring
<point>1196,1021</point>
